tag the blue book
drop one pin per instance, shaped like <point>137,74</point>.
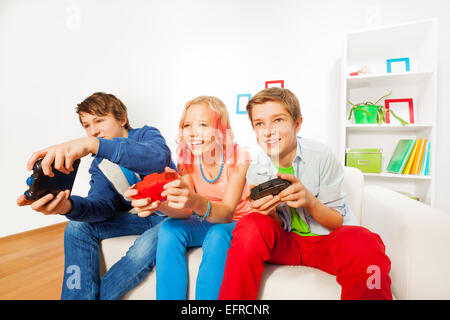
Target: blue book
<point>427,161</point>
<point>424,160</point>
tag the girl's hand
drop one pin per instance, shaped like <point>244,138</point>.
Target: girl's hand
<point>296,195</point>
<point>144,207</point>
<point>179,195</point>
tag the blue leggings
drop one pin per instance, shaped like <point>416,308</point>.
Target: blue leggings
<point>175,235</point>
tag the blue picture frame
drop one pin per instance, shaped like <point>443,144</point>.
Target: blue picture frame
<point>239,96</point>
<point>390,61</point>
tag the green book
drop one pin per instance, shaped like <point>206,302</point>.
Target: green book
<point>400,156</point>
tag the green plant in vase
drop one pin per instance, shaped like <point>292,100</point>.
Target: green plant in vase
<point>369,112</point>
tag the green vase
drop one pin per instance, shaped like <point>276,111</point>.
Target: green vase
<point>361,117</point>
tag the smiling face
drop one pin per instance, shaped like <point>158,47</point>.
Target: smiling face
<point>276,131</point>
<point>106,126</point>
<point>198,129</point>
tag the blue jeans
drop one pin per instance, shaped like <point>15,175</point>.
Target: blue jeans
<point>175,235</point>
<point>82,256</point>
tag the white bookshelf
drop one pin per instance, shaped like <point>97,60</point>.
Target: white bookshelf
<point>372,47</point>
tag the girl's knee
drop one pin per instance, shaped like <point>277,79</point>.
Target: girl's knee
<point>219,235</point>
<point>171,232</point>
<point>170,226</point>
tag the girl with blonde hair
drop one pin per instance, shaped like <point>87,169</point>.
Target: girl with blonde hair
<point>204,204</point>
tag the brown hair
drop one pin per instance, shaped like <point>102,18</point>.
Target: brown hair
<point>286,97</point>
<point>101,104</point>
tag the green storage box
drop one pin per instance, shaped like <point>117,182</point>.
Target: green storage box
<point>366,160</point>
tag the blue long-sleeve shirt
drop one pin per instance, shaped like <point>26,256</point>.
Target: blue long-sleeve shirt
<point>144,152</point>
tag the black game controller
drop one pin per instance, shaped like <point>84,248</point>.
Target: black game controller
<point>41,185</point>
<point>273,187</point>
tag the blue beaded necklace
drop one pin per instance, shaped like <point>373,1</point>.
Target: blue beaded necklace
<point>201,171</point>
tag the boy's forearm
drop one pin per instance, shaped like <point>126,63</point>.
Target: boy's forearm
<point>89,210</point>
<point>92,144</point>
<point>324,215</point>
<point>143,157</point>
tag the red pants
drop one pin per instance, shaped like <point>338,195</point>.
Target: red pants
<point>352,253</point>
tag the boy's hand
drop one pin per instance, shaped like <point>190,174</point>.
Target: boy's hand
<point>296,195</point>
<point>266,205</point>
<point>144,207</point>
<point>49,204</point>
<point>63,155</point>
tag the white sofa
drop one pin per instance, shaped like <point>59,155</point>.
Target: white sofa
<point>417,239</point>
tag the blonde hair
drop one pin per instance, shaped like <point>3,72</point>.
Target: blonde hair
<point>286,97</point>
<point>221,123</point>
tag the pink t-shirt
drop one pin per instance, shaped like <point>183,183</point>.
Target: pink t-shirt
<point>214,192</point>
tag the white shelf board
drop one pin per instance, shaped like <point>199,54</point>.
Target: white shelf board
<point>365,33</point>
<point>387,79</point>
<point>396,176</point>
<point>386,127</point>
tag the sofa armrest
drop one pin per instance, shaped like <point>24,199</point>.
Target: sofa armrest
<point>417,239</point>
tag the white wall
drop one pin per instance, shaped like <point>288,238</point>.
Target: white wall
<point>155,55</point>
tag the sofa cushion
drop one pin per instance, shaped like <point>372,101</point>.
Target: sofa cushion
<point>276,284</point>
<point>297,283</point>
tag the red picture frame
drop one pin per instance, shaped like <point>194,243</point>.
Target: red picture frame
<point>387,103</point>
<point>281,82</point>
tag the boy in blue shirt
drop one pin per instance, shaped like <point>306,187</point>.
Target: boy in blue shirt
<point>122,156</point>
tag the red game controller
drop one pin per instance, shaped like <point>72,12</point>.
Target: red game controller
<point>152,185</point>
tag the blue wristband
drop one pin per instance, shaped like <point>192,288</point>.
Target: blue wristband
<point>207,212</point>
